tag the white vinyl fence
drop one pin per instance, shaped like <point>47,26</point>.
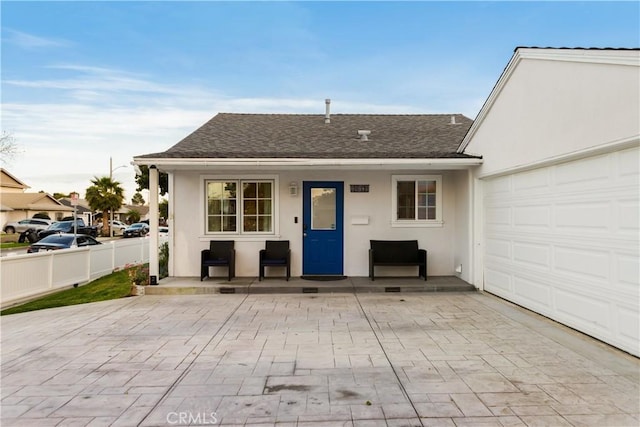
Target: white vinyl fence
<point>29,275</point>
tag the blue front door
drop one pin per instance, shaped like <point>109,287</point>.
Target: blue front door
<point>322,228</point>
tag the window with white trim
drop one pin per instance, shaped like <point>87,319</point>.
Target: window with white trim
<point>416,200</point>
<point>239,206</point>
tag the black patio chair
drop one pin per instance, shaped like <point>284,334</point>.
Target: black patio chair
<point>275,254</point>
<point>220,254</point>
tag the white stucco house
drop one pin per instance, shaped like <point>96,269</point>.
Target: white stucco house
<point>535,201</point>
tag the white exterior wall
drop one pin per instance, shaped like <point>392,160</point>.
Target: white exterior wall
<point>551,108</point>
<point>440,242</point>
<point>463,184</point>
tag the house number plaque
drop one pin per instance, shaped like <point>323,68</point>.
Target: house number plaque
<point>359,188</point>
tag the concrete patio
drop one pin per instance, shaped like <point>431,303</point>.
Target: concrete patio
<point>343,359</point>
<point>297,285</point>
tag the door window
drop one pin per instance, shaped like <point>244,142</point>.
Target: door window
<point>323,208</point>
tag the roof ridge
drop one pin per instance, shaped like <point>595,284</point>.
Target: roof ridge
<point>576,48</point>
<point>342,114</point>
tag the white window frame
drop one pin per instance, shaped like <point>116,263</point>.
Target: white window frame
<point>249,235</point>
<point>395,222</point>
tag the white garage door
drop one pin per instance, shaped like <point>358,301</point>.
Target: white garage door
<point>563,241</point>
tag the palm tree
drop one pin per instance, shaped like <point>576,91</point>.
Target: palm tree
<point>133,216</point>
<point>105,195</point>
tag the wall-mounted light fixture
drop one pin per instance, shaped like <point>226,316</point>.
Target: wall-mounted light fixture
<point>293,189</point>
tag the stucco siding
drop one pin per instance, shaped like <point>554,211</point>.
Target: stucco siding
<point>441,242</point>
<point>583,105</point>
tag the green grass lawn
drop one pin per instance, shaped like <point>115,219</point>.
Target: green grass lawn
<point>115,285</point>
<point>12,245</point>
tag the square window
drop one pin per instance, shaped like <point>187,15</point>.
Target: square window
<point>226,208</point>
<point>416,200</point>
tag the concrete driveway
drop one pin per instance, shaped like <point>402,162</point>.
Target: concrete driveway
<point>404,359</point>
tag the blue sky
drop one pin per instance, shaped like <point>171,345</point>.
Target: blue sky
<point>83,81</point>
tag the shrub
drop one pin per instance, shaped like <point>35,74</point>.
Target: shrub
<point>138,274</point>
<point>163,260</point>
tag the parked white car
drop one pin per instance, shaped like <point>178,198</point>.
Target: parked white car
<point>20,226</point>
<point>118,226</point>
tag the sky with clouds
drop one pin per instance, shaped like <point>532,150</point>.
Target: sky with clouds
<point>86,81</point>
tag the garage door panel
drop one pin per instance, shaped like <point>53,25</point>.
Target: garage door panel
<point>534,293</point>
<point>629,270</point>
<point>499,185</point>
<point>532,217</point>
<point>499,216</point>
<point>628,164</point>
<point>532,254</point>
<point>588,312</point>
<point>499,282</point>
<point>500,248</point>
<point>531,180</point>
<point>582,171</point>
<point>582,262</point>
<point>589,217</point>
<point>629,325</point>
<point>629,215</point>
<point>563,240</point>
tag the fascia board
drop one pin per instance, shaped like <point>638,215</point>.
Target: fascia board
<point>488,104</point>
<point>299,163</point>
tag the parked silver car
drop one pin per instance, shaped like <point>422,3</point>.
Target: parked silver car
<point>20,226</point>
<point>117,226</point>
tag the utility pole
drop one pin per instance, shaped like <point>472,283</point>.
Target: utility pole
<point>110,222</point>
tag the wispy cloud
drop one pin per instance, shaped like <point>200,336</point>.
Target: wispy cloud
<point>95,81</point>
<point>31,41</point>
<point>103,112</point>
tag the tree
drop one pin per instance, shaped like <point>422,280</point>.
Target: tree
<point>143,180</point>
<point>137,199</point>
<point>105,195</point>
<point>8,147</point>
<point>59,196</point>
<point>163,209</point>
<point>133,216</point>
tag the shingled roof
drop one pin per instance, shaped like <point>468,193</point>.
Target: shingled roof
<point>307,136</point>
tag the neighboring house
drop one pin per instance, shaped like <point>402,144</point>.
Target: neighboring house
<point>11,184</point>
<point>143,210</point>
<point>536,201</point>
<point>18,204</point>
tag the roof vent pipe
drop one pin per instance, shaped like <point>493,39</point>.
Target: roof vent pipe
<point>453,120</point>
<point>364,135</point>
<point>327,114</point>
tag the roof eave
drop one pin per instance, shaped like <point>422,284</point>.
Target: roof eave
<point>295,163</point>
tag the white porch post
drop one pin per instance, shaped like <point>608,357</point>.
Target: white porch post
<point>153,224</point>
